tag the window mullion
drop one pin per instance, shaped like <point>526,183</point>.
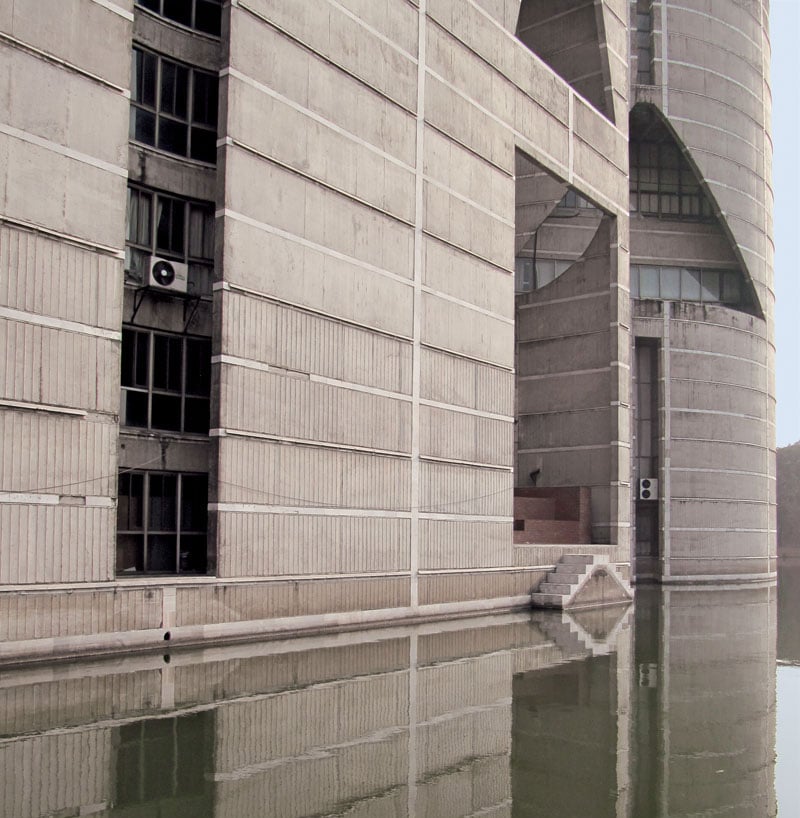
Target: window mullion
<point>178,499</point>
<point>145,519</point>
<point>151,351</point>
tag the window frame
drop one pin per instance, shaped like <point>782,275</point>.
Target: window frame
<point>149,387</point>
<point>159,10</point>
<point>142,107</point>
<point>670,189</point>
<point>146,530</point>
<point>728,284</point>
<point>141,241</point>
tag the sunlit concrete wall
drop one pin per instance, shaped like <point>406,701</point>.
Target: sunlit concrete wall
<point>62,227</point>
<point>716,365</point>
<point>366,336</point>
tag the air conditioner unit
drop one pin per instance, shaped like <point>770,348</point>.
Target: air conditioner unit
<point>168,275</point>
<point>648,488</point>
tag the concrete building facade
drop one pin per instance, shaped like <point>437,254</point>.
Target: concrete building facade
<point>294,297</point>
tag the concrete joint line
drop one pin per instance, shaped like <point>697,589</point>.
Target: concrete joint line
<point>461,303</point>
<point>24,317</point>
<point>266,228</point>
<point>226,286</point>
<point>115,9</point>
<point>311,50</point>
<point>43,407</point>
<point>62,150</point>
<point>243,146</point>
<point>71,67</point>
<point>265,89</point>
<point>471,202</point>
<point>76,241</point>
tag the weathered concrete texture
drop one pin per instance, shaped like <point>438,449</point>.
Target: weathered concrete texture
<point>60,287</point>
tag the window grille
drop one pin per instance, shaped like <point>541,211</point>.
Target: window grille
<point>160,224</point>
<point>162,520</point>
<point>173,106</point>
<point>166,381</point>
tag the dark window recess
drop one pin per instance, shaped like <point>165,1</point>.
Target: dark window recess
<point>166,381</point>
<point>663,184</point>
<point>171,227</point>
<point>162,520</point>
<point>201,15</point>
<point>173,106</point>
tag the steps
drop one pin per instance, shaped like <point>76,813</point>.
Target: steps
<point>581,581</point>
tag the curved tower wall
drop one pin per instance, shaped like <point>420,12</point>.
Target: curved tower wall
<point>715,363</point>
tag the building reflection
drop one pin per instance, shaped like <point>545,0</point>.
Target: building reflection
<point>596,714</point>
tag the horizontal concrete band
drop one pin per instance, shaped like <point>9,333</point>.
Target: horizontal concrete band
<point>160,639</point>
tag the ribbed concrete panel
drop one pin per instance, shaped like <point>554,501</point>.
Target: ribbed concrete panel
<point>470,683</point>
<point>479,786</point>
<point>446,544</point>
<point>309,211</point>
<point>486,187</point>
<point>459,381</point>
<point>453,272</point>
<point>39,615</point>
<point>56,774</point>
<point>279,544</point>
<point>237,603</point>
<point>295,407</point>
<point>233,678</point>
<point>51,278</point>
<point>335,285</point>
<point>346,41</point>
<point>463,587</point>
<point>57,455</point>
<point>78,44</point>
<point>720,489</point>
<point>288,70</point>
<point>338,159</point>
<point>273,474</point>
<point>62,543</point>
<point>62,176</point>
<point>295,723</point>
<point>460,436</point>
<point>367,779</point>
<point>445,744</point>
<point>456,489</point>
<point>59,368</point>
<point>29,708</point>
<point>464,225</point>
<point>259,330</point>
<point>458,329</point>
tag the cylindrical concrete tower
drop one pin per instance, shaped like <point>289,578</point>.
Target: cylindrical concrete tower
<point>701,278</point>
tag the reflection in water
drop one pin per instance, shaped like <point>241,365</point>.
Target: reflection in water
<point>600,714</point>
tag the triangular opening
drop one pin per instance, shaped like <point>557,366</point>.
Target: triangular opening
<point>564,33</point>
<point>681,249</point>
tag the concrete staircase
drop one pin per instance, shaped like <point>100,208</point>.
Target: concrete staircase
<point>551,515</point>
<point>582,581</point>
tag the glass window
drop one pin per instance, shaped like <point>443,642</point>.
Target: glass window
<point>662,183</point>
<point>671,283</point>
<point>166,381</point>
<point>201,15</point>
<point>180,229</point>
<point>649,282</point>
<point>690,284</point>
<point>162,520</point>
<point>173,107</point>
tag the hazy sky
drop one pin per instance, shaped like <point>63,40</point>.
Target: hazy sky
<point>785,38</point>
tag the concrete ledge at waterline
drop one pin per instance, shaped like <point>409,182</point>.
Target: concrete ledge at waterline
<point>161,639</point>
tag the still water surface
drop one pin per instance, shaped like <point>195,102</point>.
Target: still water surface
<point>668,710</point>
